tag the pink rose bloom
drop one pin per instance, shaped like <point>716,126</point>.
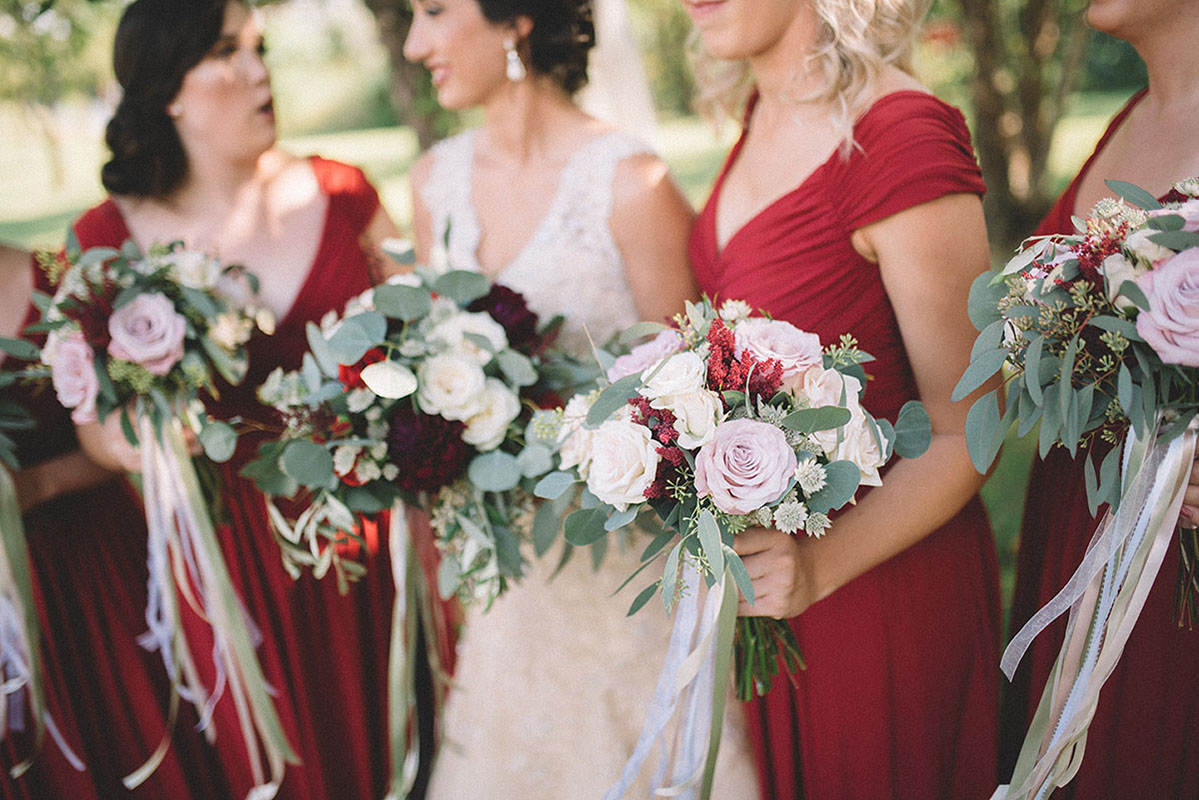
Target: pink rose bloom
<point>644,356</point>
<point>765,338</point>
<point>746,465</point>
<point>148,331</point>
<point>1171,325</point>
<point>73,373</point>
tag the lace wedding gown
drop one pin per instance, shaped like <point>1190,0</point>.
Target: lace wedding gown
<point>553,683</point>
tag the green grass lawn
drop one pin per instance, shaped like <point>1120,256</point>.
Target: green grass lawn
<point>35,211</point>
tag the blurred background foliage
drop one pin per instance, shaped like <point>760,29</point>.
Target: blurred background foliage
<point>1036,85</point>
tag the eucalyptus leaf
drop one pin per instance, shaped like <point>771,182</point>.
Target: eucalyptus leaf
<point>979,371</point>
<point>991,338</point>
<point>1032,368</point>
<point>534,460</point>
<point>641,329</point>
<point>553,485</point>
<point>1167,222</point>
<point>1134,194</point>
<point>585,526</point>
<point>219,441</point>
<point>612,399</point>
<point>841,483</point>
<point>546,524</point>
<point>709,538</point>
<point>982,421</point>
<point>1091,481</point>
<point>405,303</point>
<point>1176,240</point>
<point>822,418</point>
<point>310,371</point>
<point>1029,414</point>
<point>670,575</point>
<point>19,348</point>
<point>1117,325</point>
<point>496,471</point>
<point>985,294</point>
<point>643,597</point>
<point>740,574</point>
<point>356,335</point>
<point>1133,292</point>
<point>449,577</point>
<point>309,464</point>
<point>462,286</point>
<point>319,348</point>
<point>620,518</point>
<point>507,552</point>
<point>913,430</point>
<point>517,368</point>
<point>1051,420</point>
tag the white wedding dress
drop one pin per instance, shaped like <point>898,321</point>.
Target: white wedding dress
<point>553,683</point>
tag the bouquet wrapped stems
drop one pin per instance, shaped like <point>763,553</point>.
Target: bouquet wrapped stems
<point>759,645</point>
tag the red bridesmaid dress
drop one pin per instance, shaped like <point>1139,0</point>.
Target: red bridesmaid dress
<point>324,654</point>
<point>1144,738</point>
<point>105,693</point>
<point>899,698</point>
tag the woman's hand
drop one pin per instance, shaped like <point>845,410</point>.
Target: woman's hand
<point>1189,517</point>
<point>784,580</point>
<point>105,443</point>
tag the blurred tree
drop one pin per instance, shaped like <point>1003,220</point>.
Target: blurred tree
<point>1028,57</point>
<point>663,30</point>
<point>44,50</point>
<point>412,93</point>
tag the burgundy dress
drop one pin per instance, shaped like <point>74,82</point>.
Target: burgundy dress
<point>1144,739</point>
<point>899,696</point>
<point>324,654</point>
<point>106,694</point>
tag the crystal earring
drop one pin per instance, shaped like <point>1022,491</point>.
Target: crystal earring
<point>515,69</point>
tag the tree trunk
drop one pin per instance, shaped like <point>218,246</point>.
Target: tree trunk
<point>410,90</point>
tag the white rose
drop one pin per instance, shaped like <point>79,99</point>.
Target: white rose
<point>486,429</point>
<point>624,462</point>
<point>576,440</point>
<point>696,416</point>
<point>451,385</point>
<point>1147,252</point>
<point>860,444</point>
<point>824,387</point>
<point>195,270</point>
<point>682,373</point>
<point>1116,269</point>
<point>451,334</point>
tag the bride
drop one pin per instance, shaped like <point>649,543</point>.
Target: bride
<point>553,683</point>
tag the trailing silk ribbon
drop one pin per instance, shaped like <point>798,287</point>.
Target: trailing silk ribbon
<point>403,740</point>
<point>20,660</point>
<point>185,557</point>
<point>1105,597</point>
<point>694,677</point>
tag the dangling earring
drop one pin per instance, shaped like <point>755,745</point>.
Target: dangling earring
<point>174,111</point>
<point>515,70</point>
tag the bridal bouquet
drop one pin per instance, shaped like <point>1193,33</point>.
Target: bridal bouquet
<point>722,423</point>
<point>141,335</point>
<point>420,391</point>
<point>1099,334</point>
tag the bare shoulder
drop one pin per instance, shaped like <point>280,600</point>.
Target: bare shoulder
<point>418,176</point>
<point>892,79</point>
<point>643,178</point>
<point>289,180</point>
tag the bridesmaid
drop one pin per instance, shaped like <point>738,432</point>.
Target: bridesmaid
<point>86,540</point>
<point>194,158</point>
<point>851,204</point>
<point>1141,742</point>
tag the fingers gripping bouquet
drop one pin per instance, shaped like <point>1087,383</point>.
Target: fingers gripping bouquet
<point>721,423</point>
<point>1099,334</point>
<point>140,335</point>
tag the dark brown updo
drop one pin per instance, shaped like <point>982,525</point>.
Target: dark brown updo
<point>563,32</point>
<point>157,42</point>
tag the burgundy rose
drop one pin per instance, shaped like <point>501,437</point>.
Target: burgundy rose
<point>509,309</point>
<point>427,448</point>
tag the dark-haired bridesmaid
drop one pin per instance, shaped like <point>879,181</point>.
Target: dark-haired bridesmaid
<point>194,159</point>
<point>1141,742</point>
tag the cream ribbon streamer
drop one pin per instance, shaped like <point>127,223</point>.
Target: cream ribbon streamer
<point>185,559</point>
<point>401,665</point>
<point>694,678</point>
<point>1105,597</point>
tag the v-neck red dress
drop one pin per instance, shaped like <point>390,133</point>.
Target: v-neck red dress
<point>899,698</point>
<point>324,654</point>
<point>1144,739</point>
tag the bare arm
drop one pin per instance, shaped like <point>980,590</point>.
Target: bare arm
<point>67,473</point>
<point>422,221</point>
<point>651,222</point>
<point>380,229</point>
<point>928,255</point>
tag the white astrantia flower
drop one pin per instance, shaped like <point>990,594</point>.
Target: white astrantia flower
<point>378,451</point>
<point>390,472</point>
<point>811,476</point>
<point>368,471</point>
<point>358,400</point>
<point>373,414</point>
<point>790,516</point>
<point>734,310</point>
<point>763,517</point>
<point>376,428</point>
<point>817,523</point>
<point>1190,187</point>
<point>344,458</point>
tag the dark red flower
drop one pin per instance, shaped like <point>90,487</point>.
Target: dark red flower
<point>92,313</point>
<point>511,311</point>
<point>350,375</point>
<point>745,374</point>
<point>427,448</point>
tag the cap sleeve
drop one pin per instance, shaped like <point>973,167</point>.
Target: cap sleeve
<point>910,148</point>
<point>348,188</point>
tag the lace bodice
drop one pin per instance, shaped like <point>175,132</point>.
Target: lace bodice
<point>571,265</point>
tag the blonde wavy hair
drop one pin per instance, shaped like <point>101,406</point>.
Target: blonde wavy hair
<point>857,40</point>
